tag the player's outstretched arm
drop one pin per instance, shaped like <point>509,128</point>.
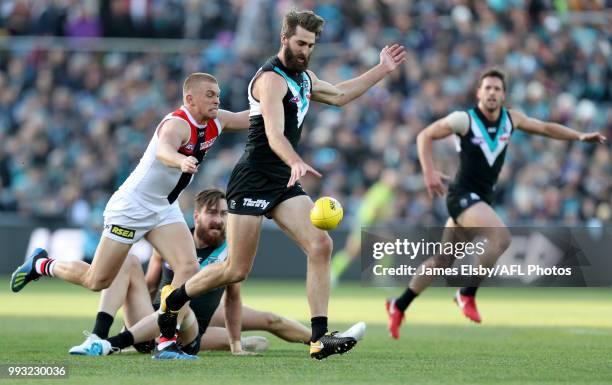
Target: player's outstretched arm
<point>171,136</point>
<point>234,121</point>
<point>344,92</point>
<point>454,123</point>
<point>270,88</point>
<point>233,318</point>
<point>552,130</point>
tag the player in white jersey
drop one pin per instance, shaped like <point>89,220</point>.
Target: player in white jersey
<point>146,204</point>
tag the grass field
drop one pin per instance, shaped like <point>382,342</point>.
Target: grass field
<point>529,336</point>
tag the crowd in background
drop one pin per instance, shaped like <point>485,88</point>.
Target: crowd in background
<point>74,123</point>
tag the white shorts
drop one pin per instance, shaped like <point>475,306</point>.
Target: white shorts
<point>126,221</point>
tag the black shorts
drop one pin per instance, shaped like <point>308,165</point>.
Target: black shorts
<point>203,307</point>
<point>251,191</point>
<point>459,199</point>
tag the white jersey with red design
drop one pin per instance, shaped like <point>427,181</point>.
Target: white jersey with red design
<point>155,185</point>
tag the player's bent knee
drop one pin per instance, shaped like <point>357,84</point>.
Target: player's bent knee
<point>442,261</point>
<point>273,321</point>
<point>187,270</point>
<point>98,284</point>
<point>321,246</point>
<point>505,238</point>
<point>500,240</point>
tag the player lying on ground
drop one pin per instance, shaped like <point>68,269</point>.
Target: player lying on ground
<point>482,134</point>
<point>266,179</point>
<point>203,325</point>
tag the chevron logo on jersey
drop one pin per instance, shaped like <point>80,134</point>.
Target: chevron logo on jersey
<point>491,148</point>
<point>301,93</point>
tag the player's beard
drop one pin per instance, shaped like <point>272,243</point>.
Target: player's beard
<point>291,60</point>
<point>206,235</point>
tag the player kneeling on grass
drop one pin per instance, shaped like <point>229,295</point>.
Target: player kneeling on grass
<point>131,290</point>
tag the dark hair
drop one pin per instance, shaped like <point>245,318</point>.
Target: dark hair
<point>308,20</point>
<point>493,73</point>
<point>208,198</point>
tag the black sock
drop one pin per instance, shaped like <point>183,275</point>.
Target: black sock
<point>469,291</point>
<point>122,340</point>
<point>319,328</point>
<point>177,299</point>
<point>402,302</point>
<point>104,321</point>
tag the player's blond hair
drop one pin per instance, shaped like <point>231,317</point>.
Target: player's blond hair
<point>196,78</point>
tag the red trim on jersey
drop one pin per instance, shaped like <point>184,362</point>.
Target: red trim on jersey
<point>209,133</point>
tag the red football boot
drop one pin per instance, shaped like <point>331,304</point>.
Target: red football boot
<point>396,316</point>
<point>467,304</point>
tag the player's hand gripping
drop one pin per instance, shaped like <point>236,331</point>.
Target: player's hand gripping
<point>189,165</point>
<point>434,182</point>
<point>594,137</point>
<point>392,57</point>
<point>298,170</point>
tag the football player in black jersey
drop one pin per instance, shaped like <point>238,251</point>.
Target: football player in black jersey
<point>482,134</point>
<point>266,179</point>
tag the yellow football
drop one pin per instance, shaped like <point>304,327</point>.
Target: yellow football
<point>326,213</point>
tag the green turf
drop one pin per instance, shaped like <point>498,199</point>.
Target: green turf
<point>529,336</point>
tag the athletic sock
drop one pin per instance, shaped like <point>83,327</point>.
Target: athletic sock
<point>469,291</point>
<point>104,321</point>
<point>402,302</point>
<point>177,299</point>
<point>319,328</point>
<point>44,266</point>
<point>122,340</point>
<point>339,264</point>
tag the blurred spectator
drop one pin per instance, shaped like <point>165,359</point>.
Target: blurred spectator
<point>73,124</point>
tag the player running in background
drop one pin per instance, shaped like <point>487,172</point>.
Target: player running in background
<point>482,134</point>
<point>376,205</point>
<point>266,179</point>
<point>146,204</point>
<point>130,290</point>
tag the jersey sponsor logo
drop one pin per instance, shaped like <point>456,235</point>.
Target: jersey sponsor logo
<point>504,138</point>
<point>206,145</point>
<point>261,203</point>
<point>201,134</point>
<point>295,99</point>
<point>189,146</point>
<point>122,232</point>
<point>477,140</point>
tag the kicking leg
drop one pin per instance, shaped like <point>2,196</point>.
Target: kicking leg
<point>292,215</point>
